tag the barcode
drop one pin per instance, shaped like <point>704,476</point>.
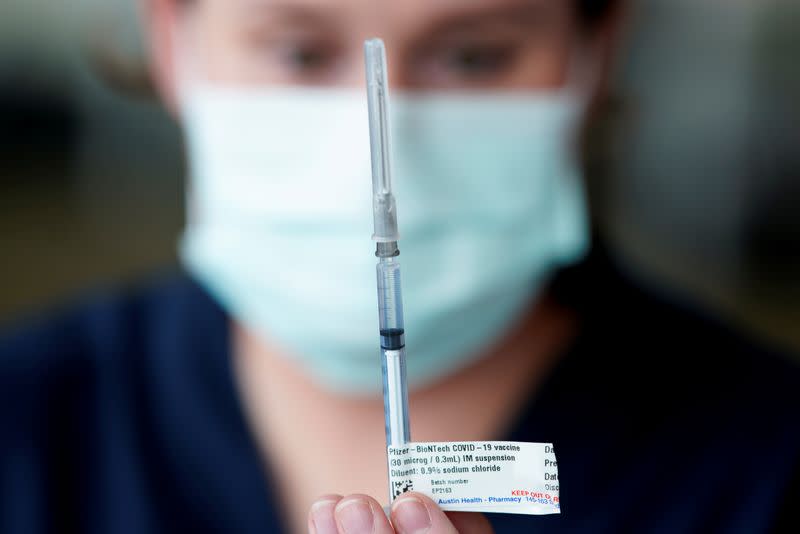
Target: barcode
<point>402,486</point>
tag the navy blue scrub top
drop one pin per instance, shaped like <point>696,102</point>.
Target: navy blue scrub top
<point>121,416</point>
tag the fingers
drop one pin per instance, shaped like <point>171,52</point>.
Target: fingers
<point>354,514</point>
<point>320,516</point>
<point>413,513</point>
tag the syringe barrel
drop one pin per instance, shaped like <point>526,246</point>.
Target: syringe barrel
<point>390,300</point>
<point>395,397</point>
<point>392,331</point>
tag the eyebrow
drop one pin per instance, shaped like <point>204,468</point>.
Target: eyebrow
<point>292,12</point>
<point>517,13</point>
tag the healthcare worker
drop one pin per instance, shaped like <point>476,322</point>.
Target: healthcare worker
<point>243,394</point>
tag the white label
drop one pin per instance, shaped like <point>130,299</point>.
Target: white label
<point>479,476</point>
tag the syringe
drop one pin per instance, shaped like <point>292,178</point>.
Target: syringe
<point>384,210</point>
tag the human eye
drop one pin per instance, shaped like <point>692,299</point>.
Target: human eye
<point>471,60</point>
<point>291,51</point>
<point>306,58</point>
<point>466,62</point>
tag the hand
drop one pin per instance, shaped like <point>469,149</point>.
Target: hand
<point>412,513</point>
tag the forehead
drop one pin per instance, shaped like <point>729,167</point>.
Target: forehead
<point>381,16</point>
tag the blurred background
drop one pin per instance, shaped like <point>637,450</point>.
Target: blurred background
<point>694,170</point>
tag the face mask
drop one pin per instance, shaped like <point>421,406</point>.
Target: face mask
<point>489,198</point>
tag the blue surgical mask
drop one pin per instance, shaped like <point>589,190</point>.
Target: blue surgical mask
<point>490,201</point>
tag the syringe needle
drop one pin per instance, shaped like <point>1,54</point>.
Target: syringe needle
<point>383,203</point>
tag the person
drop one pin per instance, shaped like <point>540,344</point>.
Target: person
<point>230,396</point>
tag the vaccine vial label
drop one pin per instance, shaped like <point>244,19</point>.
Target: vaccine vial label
<point>479,476</point>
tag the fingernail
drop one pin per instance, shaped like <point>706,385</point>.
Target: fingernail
<point>355,516</point>
<point>411,516</point>
<point>322,521</point>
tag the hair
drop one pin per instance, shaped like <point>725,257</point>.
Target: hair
<point>590,11</point>
<point>595,11</point>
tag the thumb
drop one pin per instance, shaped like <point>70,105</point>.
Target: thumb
<point>414,513</point>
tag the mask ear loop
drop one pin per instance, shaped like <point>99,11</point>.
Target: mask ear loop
<point>184,61</point>
<point>186,66</point>
<point>583,75</point>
